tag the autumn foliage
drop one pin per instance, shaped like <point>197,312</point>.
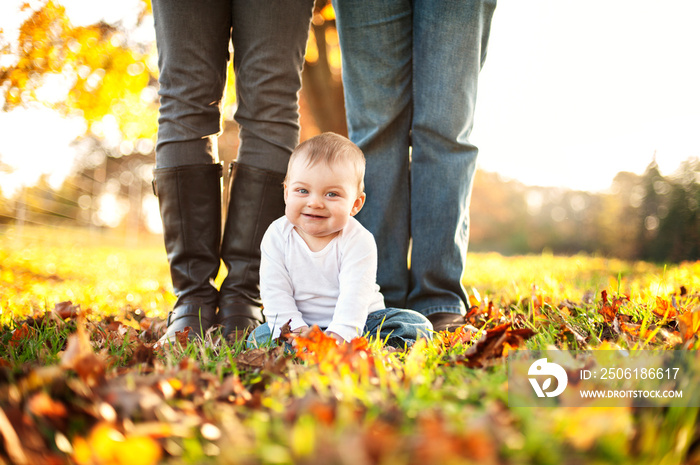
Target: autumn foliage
<point>87,387</point>
<point>104,74</point>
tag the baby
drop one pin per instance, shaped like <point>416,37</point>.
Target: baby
<point>318,263</point>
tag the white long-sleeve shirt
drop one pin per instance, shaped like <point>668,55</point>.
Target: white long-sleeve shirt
<point>334,288</point>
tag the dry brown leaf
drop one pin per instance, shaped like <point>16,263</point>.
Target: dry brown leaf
<point>20,334</point>
<point>66,310</point>
<point>80,357</point>
<point>494,344</point>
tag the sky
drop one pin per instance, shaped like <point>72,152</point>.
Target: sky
<point>572,92</point>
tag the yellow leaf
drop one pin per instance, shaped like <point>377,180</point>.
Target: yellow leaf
<point>139,450</point>
<point>106,443</point>
<point>81,451</point>
<point>415,360</point>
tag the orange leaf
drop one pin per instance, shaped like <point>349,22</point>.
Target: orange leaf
<point>634,329</point>
<point>664,308</point>
<point>689,323</point>
<point>473,301</point>
<point>20,334</point>
<point>183,336</point>
<point>507,348</point>
<point>610,309</point>
<point>323,412</point>
<point>607,311</point>
<point>316,345</point>
<point>320,349</point>
<point>42,405</point>
<point>461,335</point>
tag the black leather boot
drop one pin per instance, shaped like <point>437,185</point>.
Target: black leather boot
<point>256,199</point>
<point>190,206</point>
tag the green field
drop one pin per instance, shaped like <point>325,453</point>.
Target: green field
<point>81,382</point>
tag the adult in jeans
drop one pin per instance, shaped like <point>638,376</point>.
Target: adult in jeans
<point>193,39</point>
<point>410,71</point>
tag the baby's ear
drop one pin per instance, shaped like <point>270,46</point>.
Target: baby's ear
<point>359,203</point>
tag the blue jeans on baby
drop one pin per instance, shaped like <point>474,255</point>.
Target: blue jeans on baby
<point>410,72</point>
<point>398,327</point>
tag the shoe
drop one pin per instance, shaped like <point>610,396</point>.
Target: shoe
<point>189,198</point>
<point>256,199</point>
<point>444,321</point>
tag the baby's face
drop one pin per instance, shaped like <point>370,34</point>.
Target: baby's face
<point>321,199</point>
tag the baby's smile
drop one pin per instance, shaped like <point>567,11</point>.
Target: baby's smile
<point>313,217</point>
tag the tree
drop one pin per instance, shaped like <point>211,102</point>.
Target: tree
<point>618,218</point>
<point>679,229</point>
<point>107,76</point>
<point>655,188</point>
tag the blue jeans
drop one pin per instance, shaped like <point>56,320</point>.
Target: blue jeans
<point>398,327</point>
<point>269,41</point>
<point>410,71</point>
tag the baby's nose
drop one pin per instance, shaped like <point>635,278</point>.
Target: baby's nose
<point>314,201</point>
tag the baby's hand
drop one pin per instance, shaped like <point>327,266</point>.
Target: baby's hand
<point>301,331</point>
<point>335,336</point>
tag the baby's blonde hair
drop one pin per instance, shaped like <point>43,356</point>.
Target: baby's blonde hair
<point>330,148</point>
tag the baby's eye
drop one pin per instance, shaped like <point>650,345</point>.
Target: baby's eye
<point>302,191</point>
<point>332,194</point>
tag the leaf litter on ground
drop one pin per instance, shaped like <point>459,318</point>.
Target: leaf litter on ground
<point>78,386</point>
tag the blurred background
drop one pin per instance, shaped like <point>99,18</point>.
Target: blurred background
<point>587,123</point>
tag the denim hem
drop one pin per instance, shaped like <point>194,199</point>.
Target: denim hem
<point>458,310</point>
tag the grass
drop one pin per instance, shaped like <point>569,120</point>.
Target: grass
<point>91,389</point>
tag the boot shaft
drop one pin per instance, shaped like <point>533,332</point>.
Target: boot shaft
<point>189,198</point>
<point>256,200</point>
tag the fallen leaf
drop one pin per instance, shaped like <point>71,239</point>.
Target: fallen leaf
<point>606,308</point>
<point>13,444</point>
<point>323,351</point>
<point>42,405</point>
<point>252,359</point>
<point>664,308</point>
<point>107,445</point>
<point>286,334</point>
<point>80,357</point>
<point>494,344</point>
<point>182,337</point>
<point>66,310</point>
<point>688,324</point>
<point>233,391</point>
<point>462,335</point>
<point>315,346</point>
<point>20,334</point>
